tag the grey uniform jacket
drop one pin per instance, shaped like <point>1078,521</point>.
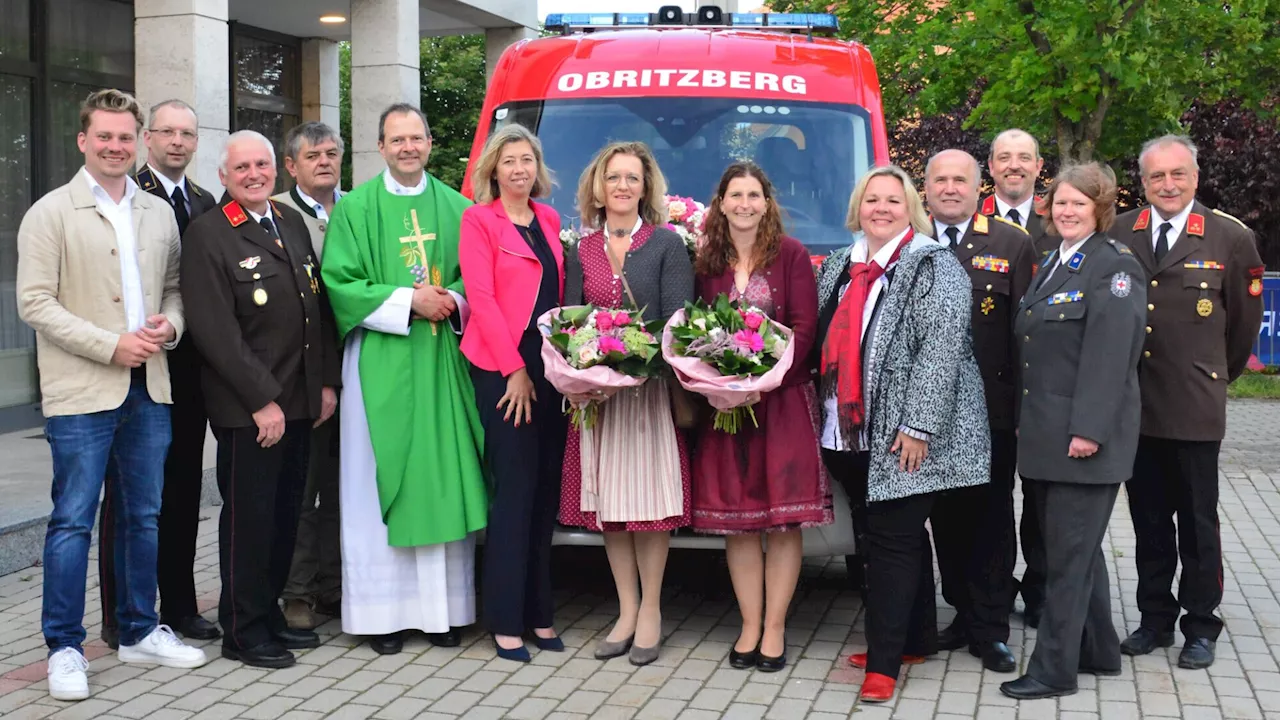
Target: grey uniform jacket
<point>921,373</point>
<point>1081,330</point>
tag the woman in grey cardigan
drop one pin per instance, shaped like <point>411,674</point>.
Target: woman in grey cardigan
<point>634,485</point>
<point>904,416</point>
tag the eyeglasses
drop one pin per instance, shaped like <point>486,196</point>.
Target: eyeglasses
<point>614,180</point>
<point>168,133</point>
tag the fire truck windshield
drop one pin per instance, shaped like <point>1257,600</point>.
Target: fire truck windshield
<point>814,153</point>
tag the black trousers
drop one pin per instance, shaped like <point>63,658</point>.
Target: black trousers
<point>973,530</point>
<point>179,506</point>
<point>1177,477</point>
<point>902,614</point>
<point>523,465</point>
<point>1075,629</point>
<point>1034,577</point>
<point>261,498</point>
<point>850,470</point>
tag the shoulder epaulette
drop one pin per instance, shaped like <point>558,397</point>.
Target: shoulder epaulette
<point>988,205</point>
<point>1195,224</point>
<point>1037,206</point>
<point>195,189</point>
<point>1143,221</point>
<point>1011,224</point>
<point>1119,247</point>
<point>980,224</point>
<point>1232,218</point>
<point>235,214</point>
<point>144,179</point>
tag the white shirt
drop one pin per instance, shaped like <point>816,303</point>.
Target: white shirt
<point>169,185</point>
<point>315,205</point>
<point>1064,256</point>
<point>1024,209</point>
<point>395,188</point>
<point>1178,222</point>
<point>120,215</point>
<point>831,426</point>
<point>942,236</point>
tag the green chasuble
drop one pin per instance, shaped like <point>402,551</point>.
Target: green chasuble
<point>418,398</point>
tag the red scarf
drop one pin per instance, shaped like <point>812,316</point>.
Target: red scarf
<point>842,351</point>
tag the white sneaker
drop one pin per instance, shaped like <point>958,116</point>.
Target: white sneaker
<point>67,680</point>
<point>162,647</point>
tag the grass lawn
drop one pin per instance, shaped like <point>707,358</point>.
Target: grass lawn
<point>1255,385</point>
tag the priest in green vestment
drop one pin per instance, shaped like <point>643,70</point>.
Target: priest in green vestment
<point>412,489</point>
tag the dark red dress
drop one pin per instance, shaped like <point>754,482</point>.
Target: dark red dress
<point>769,477</point>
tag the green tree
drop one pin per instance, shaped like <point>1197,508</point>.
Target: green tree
<point>452,87</point>
<point>1094,77</point>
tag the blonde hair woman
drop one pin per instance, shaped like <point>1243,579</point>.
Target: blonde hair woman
<point>636,485</point>
<point>513,267</point>
<point>904,415</point>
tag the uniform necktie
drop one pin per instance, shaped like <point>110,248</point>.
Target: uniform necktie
<point>270,227</point>
<point>1013,217</point>
<point>1162,243</point>
<point>180,209</point>
<point>953,235</point>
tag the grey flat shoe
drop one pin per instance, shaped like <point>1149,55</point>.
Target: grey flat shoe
<point>643,656</point>
<point>606,649</point>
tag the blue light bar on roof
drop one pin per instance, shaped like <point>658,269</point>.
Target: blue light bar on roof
<point>819,21</point>
<point>747,19</point>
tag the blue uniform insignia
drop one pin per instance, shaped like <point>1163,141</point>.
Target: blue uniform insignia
<point>1074,263</point>
<point>1067,297</point>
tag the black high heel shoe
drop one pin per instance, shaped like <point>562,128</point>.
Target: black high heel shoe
<point>520,654</point>
<point>744,660</point>
<point>553,644</point>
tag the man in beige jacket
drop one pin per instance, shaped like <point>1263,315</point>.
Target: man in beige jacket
<point>313,156</point>
<point>98,281</point>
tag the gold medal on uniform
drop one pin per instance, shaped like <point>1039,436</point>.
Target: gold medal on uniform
<point>259,296</point>
<point>1204,307</point>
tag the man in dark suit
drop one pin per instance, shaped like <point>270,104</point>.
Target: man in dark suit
<point>1205,287</point>
<point>265,330</point>
<point>1015,163</point>
<point>171,138</point>
<point>973,527</point>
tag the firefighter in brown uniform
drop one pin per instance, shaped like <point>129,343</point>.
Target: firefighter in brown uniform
<point>1014,163</point>
<point>1204,287</point>
<point>974,527</point>
<point>267,336</point>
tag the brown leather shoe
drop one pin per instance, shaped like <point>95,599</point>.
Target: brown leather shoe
<point>298,615</point>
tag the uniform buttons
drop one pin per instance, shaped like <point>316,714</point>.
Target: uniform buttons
<point>113,251</point>
<point>1146,353</point>
<point>307,346</point>
<point>988,288</point>
<point>1148,329</point>
<point>1026,338</point>
<point>1150,307</point>
<point>1026,392</point>
<point>1213,375</point>
<point>1026,365</point>
<point>302,296</point>
<point>1204,285</point>
<point>1028,313</point>
<point>115,299</point>
<point>1062,316</point>
<point>1155,283</point>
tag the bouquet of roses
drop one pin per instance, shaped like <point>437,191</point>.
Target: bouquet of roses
<point>688,217</point>
<point>590,351</point>
<point>728,353</point>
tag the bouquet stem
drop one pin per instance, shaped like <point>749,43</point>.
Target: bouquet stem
<point>584,417</point>
<point>731,421</point>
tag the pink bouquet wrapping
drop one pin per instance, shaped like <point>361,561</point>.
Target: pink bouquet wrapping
<point>591,353</point>
<point>729,355</point>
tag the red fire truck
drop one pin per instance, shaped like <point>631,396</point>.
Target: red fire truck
<point>702,89</point>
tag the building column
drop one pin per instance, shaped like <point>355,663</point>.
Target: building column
<point>385,69</point>
<point>182,51</point>
<point>320,82</point>
<point>496,40</point>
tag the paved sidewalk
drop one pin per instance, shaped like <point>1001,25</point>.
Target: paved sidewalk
<point>344,679</point>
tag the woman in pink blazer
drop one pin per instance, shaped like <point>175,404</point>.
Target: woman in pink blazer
<point>513,270</point>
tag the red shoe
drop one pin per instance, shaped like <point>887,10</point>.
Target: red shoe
<point>877,688</point>
<point>859,660</point>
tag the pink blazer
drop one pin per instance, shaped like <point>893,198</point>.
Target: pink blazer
<point>501,276</point>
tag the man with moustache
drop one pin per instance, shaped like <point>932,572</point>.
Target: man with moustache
<point>263,325</point>
<point>1015,163</point>
<point>171,138</point>
<point>973,527</point>
<point>98,282</point>
<point>1205,309</point>
<point>413,492</point>
<point>313,156</point>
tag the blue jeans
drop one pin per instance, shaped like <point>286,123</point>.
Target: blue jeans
<point>133,439</point>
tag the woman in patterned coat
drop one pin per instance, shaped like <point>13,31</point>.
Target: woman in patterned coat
<point>904,416</point>
<point>638,491</point>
